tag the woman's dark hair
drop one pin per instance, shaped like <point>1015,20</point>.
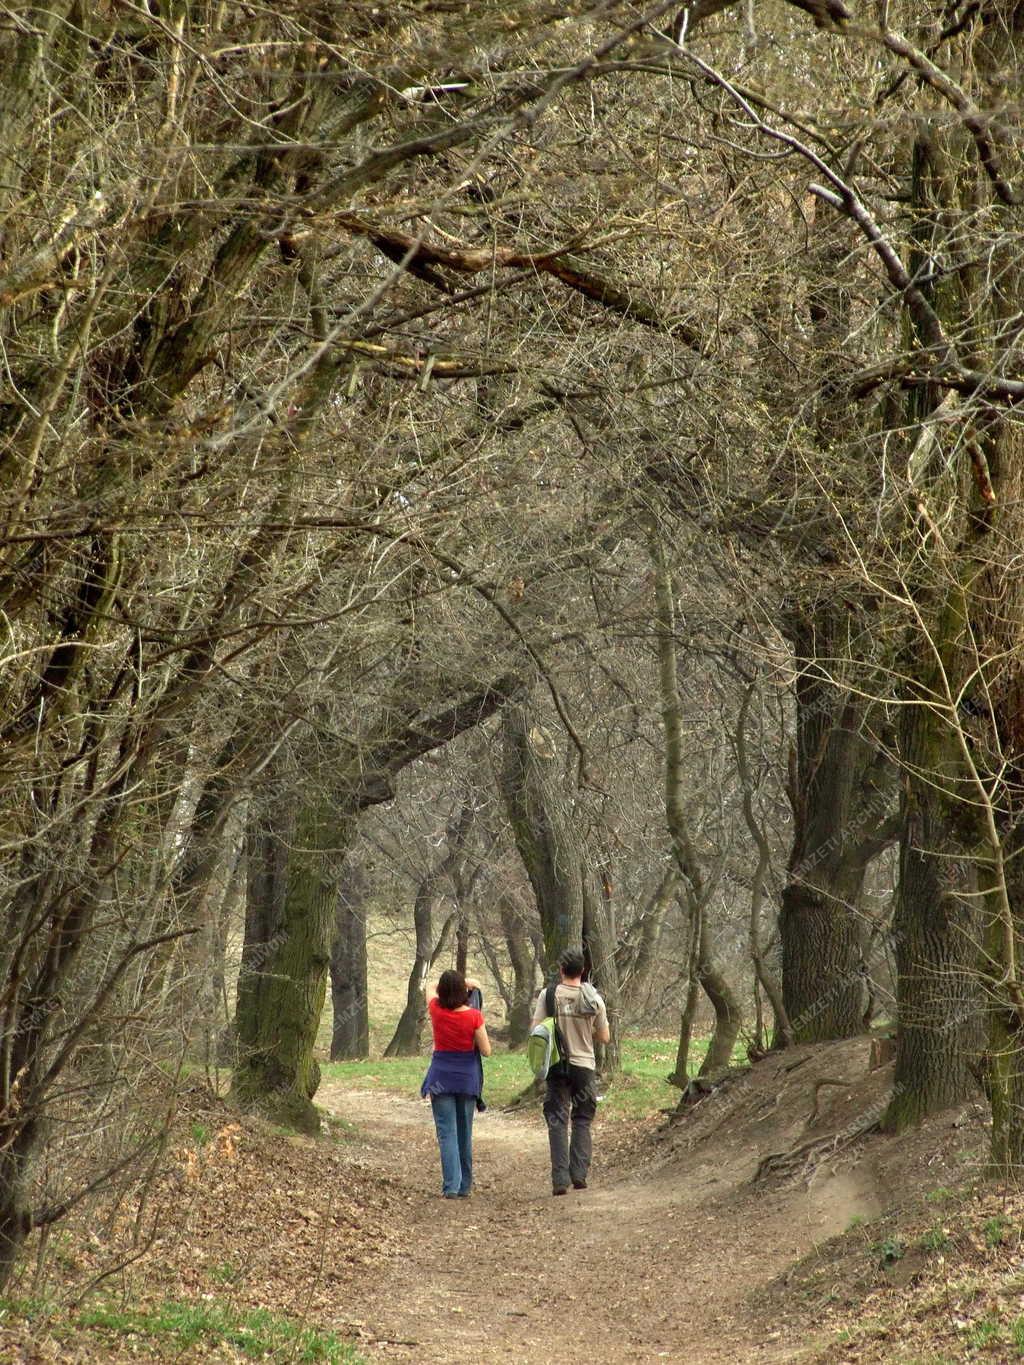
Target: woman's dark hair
<point>451,990</point>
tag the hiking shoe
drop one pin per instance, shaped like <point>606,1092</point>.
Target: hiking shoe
<point>560,1189</point>
<point>579,1184</point>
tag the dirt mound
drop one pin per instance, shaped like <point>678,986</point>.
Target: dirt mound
<point>781,1117</point>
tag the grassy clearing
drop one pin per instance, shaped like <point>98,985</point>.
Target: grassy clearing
<point>175,1327</point>
<point>639,1089</point>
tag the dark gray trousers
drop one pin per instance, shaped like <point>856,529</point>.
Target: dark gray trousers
<point>571,1099</point>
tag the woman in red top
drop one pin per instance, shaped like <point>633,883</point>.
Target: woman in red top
<point>455,1078</point>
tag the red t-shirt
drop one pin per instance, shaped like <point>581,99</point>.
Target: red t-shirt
<point>453,1029</point>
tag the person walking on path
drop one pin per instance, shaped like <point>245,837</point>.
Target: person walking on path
<point>581,1020</point>
<point>455,1078</point>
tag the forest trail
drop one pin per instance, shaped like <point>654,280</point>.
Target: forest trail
<point>658,1263</point>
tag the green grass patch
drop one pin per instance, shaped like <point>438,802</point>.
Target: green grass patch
<point>257,1333</point>
<point>639,1089</point>
<point>995,1230</point>
<point>941,1195</point>
<point>889,1250</point>
<point>984,1332</point>
<point>936,1239</point>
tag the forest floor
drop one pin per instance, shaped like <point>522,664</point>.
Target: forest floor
<point>846,1247</point>
<point>675,1251</point>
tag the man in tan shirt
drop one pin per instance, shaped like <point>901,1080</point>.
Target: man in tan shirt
<point>572,1085</point>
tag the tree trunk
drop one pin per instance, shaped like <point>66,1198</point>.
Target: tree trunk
<point>350,1029</point>
<point>704,969</point>
<point>936,928</point>
<point>543,833</point>
<point>290,919</point>
<point>1003,1073</point>
<point>946,854</point>
<point>728,1017</point>
<point>213,936</point>
<point>520,953</point>
<point>841,794</point>
<point>405,1041</point>
<point>822,961</point>
<point>15,1204</point>
<point>462,942</point>
<point>600,944</point>
<point>764,980</point>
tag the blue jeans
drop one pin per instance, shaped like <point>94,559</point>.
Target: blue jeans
<point>453,1119</point>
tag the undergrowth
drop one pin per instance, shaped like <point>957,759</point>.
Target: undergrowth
<point>177,1326</point>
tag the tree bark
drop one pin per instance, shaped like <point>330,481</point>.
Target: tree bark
<point>543,835</point>
<point>1003,1071</point>
<point>290,919</point>
<point>842,796</point>
<point>936,928</point>
<point>350,1029</point>
<point>600,946</point>
<point>947,854</point>
<point>520,953</point>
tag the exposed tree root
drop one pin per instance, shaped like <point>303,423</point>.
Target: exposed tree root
<point>800,1162</point>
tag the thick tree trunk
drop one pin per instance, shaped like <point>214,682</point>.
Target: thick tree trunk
<point>350,1029</point>
<point>16,1162</point>
<point>1004,1063</point>
<point>936,928</point>
<point>823,966</point>
<point>290,919</point>
<point>966,629</point>
<point>842,795</point>
<point>1003,1073</point>
<point>547,843</point>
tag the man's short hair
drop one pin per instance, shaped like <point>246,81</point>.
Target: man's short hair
<point>572,962</point>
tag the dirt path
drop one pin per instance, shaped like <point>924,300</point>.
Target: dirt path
<point>653,1265</point>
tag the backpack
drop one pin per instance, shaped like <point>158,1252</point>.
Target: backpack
<point>545,1049</point>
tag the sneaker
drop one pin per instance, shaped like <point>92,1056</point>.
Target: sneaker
<point>579,1184</point>
<point>560,1189</point>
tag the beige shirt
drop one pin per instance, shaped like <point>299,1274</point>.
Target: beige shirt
<point>577,1029</point>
